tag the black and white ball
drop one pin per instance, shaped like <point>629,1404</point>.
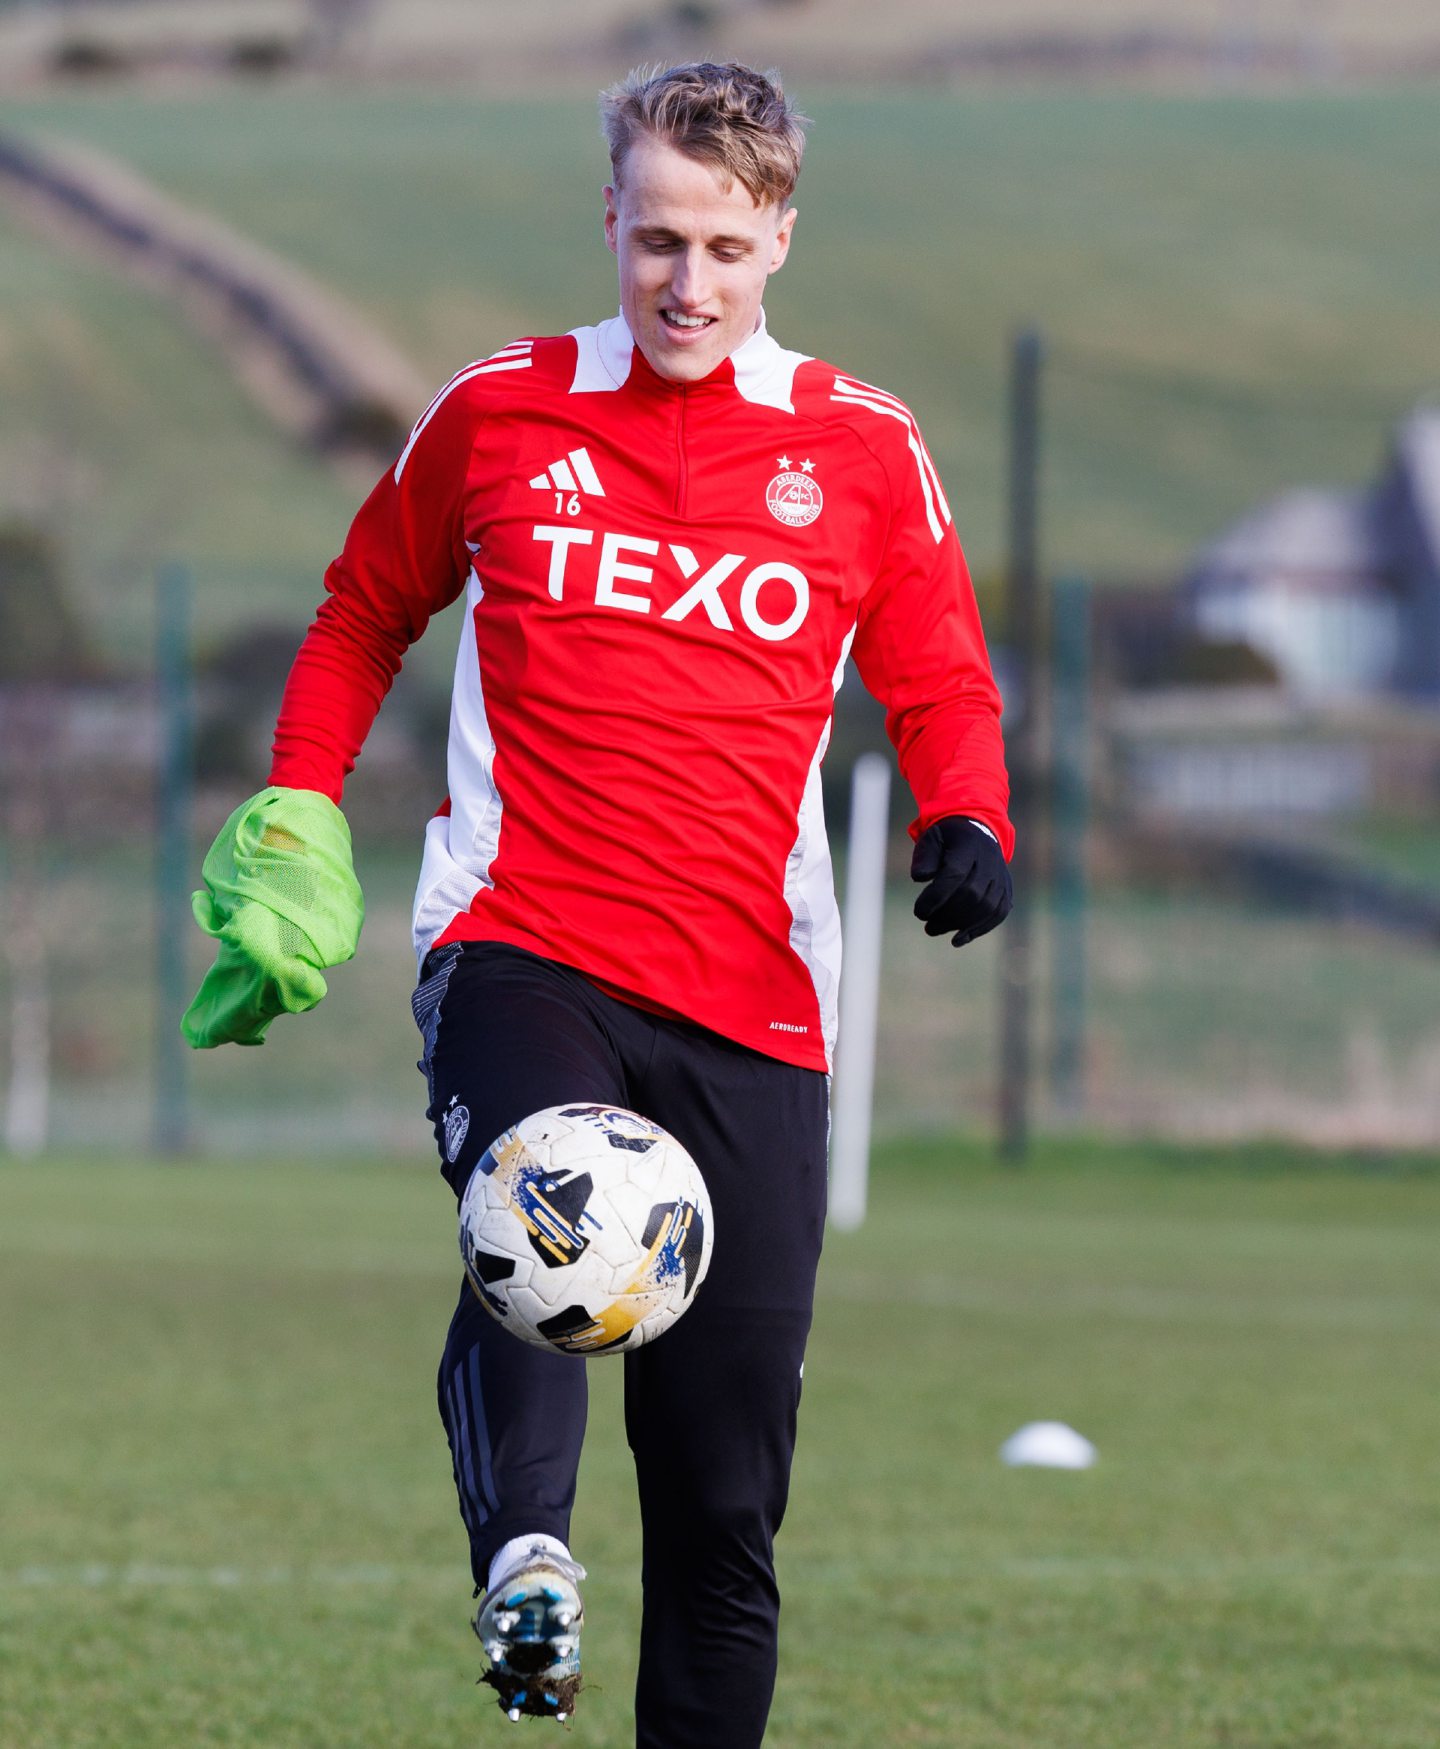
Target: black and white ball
<point>586,1229</point>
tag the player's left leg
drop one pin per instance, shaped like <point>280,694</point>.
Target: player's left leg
<point>711,1407</point>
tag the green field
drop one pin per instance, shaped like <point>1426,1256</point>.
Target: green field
<point>229,1518</point>
<point>1280,245</point>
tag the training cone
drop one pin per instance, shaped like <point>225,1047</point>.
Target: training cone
<point>1049,1445</point>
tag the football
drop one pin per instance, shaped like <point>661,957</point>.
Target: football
<point>586,1229</point>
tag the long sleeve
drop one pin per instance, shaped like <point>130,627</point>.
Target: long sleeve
<point>920,649</point>
<point>404,559</point>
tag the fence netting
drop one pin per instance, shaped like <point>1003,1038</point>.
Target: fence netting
<point>1235,886</point>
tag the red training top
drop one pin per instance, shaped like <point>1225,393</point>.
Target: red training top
<point>663,582</point>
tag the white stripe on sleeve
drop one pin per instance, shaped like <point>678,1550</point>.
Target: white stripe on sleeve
<point>862,395</point>
<point>516,356</point>
<point>937,528</point>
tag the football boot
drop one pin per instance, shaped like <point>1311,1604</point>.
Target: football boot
<point>529,1625</point>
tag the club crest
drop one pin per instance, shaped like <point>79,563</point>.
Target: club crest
<point>794,499</point>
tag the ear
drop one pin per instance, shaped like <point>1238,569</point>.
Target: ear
<point>782,241</point>
<point>612,218</point>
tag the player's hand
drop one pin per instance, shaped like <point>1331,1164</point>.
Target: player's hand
<point>282,900</point>
<point>968,889</point>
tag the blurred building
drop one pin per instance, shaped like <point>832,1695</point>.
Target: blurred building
<point>1338,590</point>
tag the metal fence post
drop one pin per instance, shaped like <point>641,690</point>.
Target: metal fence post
<point>1023,636</point>
<point>174,786</point>
<point>1070,728</point>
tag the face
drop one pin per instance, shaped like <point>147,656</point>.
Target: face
<point>694,257</point>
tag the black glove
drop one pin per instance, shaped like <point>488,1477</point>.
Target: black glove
<point>969,887</point>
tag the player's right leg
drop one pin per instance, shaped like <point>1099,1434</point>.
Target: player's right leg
<point>507,1034</point>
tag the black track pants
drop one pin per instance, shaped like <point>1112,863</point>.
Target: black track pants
<point>710,1408</point>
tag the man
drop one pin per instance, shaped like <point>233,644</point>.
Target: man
<point>671,533</point>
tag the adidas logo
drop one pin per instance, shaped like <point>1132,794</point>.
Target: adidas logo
<point>572,473</point>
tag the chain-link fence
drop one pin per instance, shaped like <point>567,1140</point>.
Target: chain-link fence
<point>1233,879</point>
<point>1240,856</point>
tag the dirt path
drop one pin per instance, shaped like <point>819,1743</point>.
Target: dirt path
<point>322,371</point>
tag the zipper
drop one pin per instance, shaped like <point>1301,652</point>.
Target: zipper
<point>682,469</point>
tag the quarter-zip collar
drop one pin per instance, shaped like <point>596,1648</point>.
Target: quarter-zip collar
<point>759,370</point>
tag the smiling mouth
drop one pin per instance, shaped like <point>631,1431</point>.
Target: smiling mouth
<point>679,323</point>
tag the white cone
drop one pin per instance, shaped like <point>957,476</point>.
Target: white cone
<point>1049,1444</point>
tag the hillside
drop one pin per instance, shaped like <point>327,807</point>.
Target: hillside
<point>502,42</point>
<point>1276,251</point>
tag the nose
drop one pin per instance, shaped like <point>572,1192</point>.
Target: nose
<point>690,282</point>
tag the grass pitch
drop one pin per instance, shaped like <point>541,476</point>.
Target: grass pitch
<point>228,1514</point>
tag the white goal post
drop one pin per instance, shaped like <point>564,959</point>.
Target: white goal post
<point>854,1092</point>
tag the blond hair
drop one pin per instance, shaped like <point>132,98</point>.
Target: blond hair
<point>730,117</point>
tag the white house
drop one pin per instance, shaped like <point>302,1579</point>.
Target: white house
<point>1339,589</point>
